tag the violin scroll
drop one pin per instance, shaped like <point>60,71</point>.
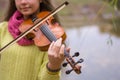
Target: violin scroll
<point>73,64</point>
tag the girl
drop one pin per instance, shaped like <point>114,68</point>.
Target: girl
<point>23,60</point>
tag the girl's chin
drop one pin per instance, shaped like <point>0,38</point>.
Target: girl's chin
<point>26,13</point>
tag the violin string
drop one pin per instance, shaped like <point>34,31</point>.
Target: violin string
<point>50,36</point>
<point>46,31</point>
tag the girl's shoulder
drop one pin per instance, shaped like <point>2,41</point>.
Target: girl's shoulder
<point>3,24</point>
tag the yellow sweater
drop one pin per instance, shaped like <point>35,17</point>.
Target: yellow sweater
<point>22,62</point>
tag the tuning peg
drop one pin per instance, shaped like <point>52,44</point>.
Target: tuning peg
<point>76,54</point>
<point>65,64</point>
<point>79,61</point>
<point>69,71</point>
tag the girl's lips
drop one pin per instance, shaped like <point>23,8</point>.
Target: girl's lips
<point>25,9</point>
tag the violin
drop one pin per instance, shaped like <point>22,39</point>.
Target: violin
<point>49,30</point>
<point>38,35</point>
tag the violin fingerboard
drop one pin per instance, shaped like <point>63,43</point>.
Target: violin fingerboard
<point>48,33</point>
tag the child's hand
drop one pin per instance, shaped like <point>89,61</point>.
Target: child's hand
<point>56,54</point>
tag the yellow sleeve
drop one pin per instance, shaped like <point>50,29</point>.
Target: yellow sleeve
<point>2,26</point>
<point>44,74</point>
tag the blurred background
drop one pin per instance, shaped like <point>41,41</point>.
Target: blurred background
<point>92,28</point>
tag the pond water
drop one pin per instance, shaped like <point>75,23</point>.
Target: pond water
<point>100,51</point>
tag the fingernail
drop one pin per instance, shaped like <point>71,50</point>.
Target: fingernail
<point>60,38</point>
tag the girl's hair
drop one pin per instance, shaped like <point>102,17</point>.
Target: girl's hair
<point>44,5</point>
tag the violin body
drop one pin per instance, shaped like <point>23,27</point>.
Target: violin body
<point>37,35</point>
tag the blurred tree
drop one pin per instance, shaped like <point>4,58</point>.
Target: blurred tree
<point>114,3</point>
